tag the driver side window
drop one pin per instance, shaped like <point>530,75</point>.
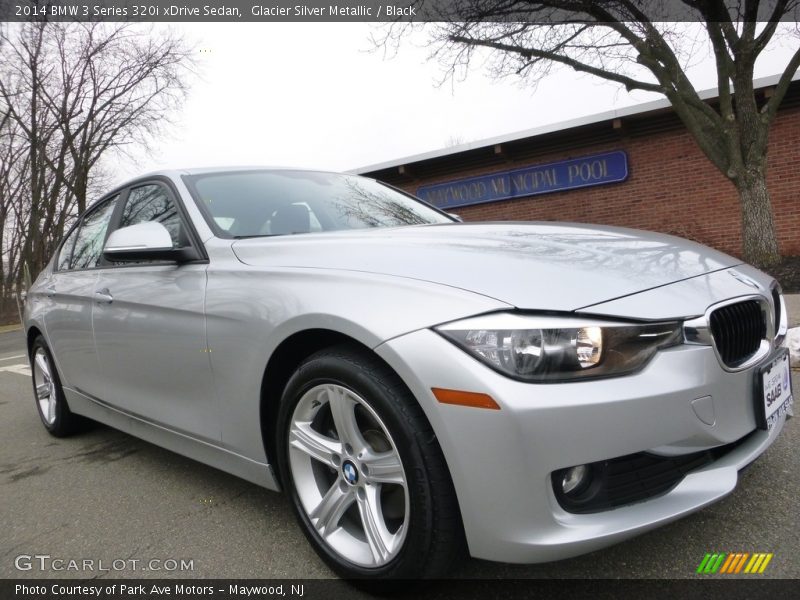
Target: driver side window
<point>152,202</point>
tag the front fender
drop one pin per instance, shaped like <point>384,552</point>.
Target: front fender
<point>251,311</point>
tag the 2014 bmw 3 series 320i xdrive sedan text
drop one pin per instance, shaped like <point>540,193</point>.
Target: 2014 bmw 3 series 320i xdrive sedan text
<point>417,385</point>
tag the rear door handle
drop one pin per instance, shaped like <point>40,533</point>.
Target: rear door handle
<point>103,296</point>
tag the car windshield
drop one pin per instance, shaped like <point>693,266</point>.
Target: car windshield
<point>263,203</point>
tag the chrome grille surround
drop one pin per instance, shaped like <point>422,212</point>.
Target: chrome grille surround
<point>738,330</point>
<point>781,318</point>
<point>699,331</point>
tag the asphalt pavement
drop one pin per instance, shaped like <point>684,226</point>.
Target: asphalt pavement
<point>104,496</point>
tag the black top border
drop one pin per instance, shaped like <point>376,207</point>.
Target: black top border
<point>417,11</point>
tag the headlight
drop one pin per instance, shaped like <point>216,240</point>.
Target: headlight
<point>547,348</point>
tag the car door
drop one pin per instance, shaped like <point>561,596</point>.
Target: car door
<point>69,290</point>
<point>149,326</point>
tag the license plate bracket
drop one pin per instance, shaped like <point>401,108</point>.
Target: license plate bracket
<point>773,390</point>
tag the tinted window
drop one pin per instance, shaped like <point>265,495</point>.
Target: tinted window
<point>255,203</point>
<point>152,203</point>
<point>91,236</point>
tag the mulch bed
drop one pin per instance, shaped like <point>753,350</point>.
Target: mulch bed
<point>787,272</point>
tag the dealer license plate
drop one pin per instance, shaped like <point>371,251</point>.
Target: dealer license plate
<point>775,390</point>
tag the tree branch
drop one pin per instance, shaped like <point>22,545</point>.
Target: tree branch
<point>527,53</point>
<point>770,109</point>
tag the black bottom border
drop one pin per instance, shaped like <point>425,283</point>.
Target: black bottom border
<point>732,588</point>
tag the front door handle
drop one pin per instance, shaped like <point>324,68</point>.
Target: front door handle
<point>103,296</point>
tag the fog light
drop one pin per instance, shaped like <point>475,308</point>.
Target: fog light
<point>575,479</point>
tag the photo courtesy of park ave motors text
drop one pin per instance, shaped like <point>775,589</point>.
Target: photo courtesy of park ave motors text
<point>484,290</point>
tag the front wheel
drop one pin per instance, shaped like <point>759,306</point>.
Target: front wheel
<point>367,478</point>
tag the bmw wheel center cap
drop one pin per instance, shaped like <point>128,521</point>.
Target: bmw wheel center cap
<point>350,472</point>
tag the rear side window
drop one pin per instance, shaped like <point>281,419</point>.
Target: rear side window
<point>152,202</point>
<point>91,236</point>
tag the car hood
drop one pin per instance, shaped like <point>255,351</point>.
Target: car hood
<point>545,266</point>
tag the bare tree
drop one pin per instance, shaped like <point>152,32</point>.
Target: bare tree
<point>69,94</point>
<point>631,42</point>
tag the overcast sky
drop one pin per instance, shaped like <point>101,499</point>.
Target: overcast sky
<point>313,95</point>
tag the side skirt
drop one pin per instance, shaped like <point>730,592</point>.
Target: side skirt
<point>181,443</point>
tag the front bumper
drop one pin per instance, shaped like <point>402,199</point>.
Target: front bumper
<point>501,460</point>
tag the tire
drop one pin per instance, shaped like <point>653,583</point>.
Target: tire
<point>48,394</point>
<point>365,474</point>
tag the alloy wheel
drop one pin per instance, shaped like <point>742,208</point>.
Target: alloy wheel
<point>45,386</point>
<point>348,475</point>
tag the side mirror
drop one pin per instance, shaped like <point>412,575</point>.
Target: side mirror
<point>456,217</point>
<point>145,241</point>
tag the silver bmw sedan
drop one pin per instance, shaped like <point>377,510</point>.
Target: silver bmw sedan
<point>417,385</point>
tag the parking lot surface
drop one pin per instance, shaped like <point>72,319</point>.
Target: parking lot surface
<point>106,497</point>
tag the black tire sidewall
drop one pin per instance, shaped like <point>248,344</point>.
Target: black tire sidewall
<point>391,407</point>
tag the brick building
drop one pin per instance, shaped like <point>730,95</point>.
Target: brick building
<point>648,174</point>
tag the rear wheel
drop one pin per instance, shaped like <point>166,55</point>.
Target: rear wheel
<point>366,476</point>
<point>50,401</point>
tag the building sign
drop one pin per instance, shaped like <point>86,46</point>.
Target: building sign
<point>598,169</point>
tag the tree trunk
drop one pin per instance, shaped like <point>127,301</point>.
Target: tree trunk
<point>760,241</point>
